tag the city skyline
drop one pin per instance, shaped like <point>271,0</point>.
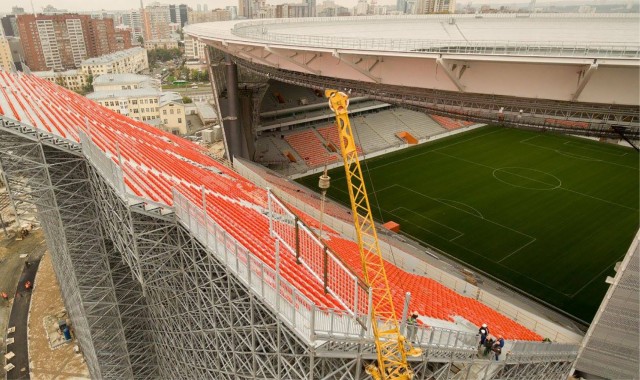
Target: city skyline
<point>75,6</point>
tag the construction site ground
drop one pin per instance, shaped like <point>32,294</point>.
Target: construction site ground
<point>46,301</point>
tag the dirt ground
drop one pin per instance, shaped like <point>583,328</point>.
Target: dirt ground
<point>47,363</point>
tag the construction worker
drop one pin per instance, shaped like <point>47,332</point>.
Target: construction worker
<point>4,296</point>
<point>497,346</point>
<point>412,326</point>
<point>483,331</point>
<point>27,285</point>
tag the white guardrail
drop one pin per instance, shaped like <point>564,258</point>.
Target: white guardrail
<point>258,30</point>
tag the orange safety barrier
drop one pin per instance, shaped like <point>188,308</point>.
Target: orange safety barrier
<point>406,136</point>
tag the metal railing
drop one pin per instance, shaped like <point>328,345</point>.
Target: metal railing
<point>313,323</point>
<point>298,240</point>
<point>258,30</point>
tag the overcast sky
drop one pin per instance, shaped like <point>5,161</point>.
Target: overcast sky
<point>81,5</point>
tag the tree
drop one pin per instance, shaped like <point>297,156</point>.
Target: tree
<point>186,100</point>
<point>88,87</point>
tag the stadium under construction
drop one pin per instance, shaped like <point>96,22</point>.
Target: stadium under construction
<point>175,265</point>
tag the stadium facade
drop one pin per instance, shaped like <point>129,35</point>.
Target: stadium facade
<point>173,265</point>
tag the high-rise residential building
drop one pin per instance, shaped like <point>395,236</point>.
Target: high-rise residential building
<point>17,11</point>
<point>244,8</point>
<point>6,61</point>
<point>156,22</point>
<point>436,6</point>
<point>205,7</point>
<point>311,5</point>
<point>194,49</point>
<point>9,26</point>
<point>196,17</point>
<point>362,8</point>
<point>233,11</point>
<point>59,42</point>
<point>183,9</point>
<point>401,6</point>
<point>133,19</point>
<point>174,15</point>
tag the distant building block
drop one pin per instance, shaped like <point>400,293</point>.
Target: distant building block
<point>392,226</point>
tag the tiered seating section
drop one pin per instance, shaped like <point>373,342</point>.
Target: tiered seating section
<point>309,147</point>
<point>154,162</point>
<point>450,123</point>
<point>431,299</point>
<point>330,135</point>
<point>567,123</point>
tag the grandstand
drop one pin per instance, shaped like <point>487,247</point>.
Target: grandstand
<point>181,244</point>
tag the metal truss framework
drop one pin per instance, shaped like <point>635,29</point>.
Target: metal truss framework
<point>522,112</point>
<point>149,300</point>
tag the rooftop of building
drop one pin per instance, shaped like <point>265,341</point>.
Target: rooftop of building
<point>124,79</point>
<point>169,97</point>
<point>108,58</point>
<point>134,93</point>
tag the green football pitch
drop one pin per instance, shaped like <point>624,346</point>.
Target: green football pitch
<point>549,214</point>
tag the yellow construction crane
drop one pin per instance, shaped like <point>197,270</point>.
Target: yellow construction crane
<point>391,347</point>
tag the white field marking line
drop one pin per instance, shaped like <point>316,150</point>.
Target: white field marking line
<point>474,252</point>
<point>524,176</point>
<point>435,221</point>
<point>433,150</point>
<point>577,156</point>
<point>467,212</point>
<point>582,146</point>
<point>514,252</point>
<point>593,279</point>
<point>562,188</point>
<point>502,265</point>
<point>599,199</point>
<point>479,214</point>
<point>403,220</point>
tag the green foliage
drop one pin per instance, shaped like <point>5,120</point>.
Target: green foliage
<point>88,87</point>
<point>549,214</point>
<point>186,100</point>
<point>162,55</point>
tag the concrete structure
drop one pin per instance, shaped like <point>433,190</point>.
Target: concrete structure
<point>156,22</point>
<point>610,348</point>
<point>63,41</point>
<point>9,26</point>
<point>113,82</point>
<point>173,265</point>
<point>132,60</point>
<point>160,44</point>
<point>486,69</point>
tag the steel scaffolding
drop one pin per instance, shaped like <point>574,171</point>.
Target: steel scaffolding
<point>165,292</point>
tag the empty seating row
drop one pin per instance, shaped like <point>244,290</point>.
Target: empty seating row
<point>308,146</point>
<point>155,162</point>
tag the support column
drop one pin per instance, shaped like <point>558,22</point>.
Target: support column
<point>233,129</point>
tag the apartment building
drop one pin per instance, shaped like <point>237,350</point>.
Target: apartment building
<point>194,49</point>
<point>156,22</point>
<point>132,60</point>
<point>6,61</point>
<point>74,80</point>
<point>160,44</point>
<point>164,110</point>
<point>196,17</point>
<point>62,41</point>
<point>436,6</point>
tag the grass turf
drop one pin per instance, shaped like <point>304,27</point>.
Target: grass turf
<point>549,214</point>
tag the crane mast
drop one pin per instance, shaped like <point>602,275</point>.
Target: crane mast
<point>391,347</point>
